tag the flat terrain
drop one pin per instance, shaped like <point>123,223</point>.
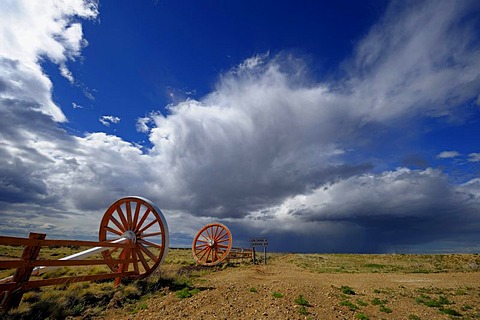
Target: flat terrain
<point>332,287</point>
<point>290,286</point>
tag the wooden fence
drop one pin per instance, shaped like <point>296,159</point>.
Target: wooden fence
<point>12,288</point>
<point>240,255</point>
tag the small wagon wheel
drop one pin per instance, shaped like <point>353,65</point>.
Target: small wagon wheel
<point>212,244</point>
<point>138,221</point>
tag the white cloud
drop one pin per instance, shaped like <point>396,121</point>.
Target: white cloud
<point>67,74</point>
<point>399,193</point>
<point>29,85</point>
<point>471,188</point>
<point>107,120</point>
<point>448,154</point>
<point>51,29</point>
<point>252,63</point>
<point>418,60</point>
<point>474,157</point>
<point>142,124</point>
<point>30,31</point>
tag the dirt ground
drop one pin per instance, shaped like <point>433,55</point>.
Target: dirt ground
<point>272,292</point>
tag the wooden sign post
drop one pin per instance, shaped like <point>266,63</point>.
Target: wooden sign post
<point>259,242</point>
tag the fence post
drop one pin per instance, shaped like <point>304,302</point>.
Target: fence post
<point>22,274</point>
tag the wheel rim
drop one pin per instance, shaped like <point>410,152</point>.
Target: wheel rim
<point>141,223</point>
<point>212,244</point>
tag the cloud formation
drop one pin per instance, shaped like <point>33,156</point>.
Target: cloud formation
<point>474,157</point>
<point>107,120</point>
<point>53,34</point>
<point>390,209</point>
<point>448,154</point>
<point>421,59</point>
<point>268,151</point>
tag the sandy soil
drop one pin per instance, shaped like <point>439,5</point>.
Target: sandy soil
<point>247,292</point>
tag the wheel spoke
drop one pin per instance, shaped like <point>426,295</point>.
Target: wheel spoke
<point>145,215</point>
<point>206,251</point>
<point>198,252</point>
<point>148,252</point>
<point>212,232</point>
<point>224,240</point>
<point>135,262</point>
<point>129,214</point>
<point>113,230</point>
<point>222,246</point>
<point>210,253</point>
<point>208,233</point>
<point>151,244</point>
<point>213,256</point>
<point>117,223</point>
<point>143,261</point>
<point>223,236</point>
<point>148,225</point>
<point>151,234</point>
<point>137,212</point>
<point>115,239</point>
<point>122,217</point>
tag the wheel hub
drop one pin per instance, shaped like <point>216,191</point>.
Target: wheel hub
<point>211,242</point>
<point>130,235</point>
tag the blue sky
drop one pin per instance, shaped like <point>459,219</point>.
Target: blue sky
<point>327,127</point>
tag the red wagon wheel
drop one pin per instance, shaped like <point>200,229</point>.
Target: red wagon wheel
<point>212,244</point>
<point>138,221</point>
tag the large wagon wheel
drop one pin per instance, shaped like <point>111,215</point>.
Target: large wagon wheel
<point>212,244</point>
<point>138,221</point>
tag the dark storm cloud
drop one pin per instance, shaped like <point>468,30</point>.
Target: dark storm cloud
<point>216,199</point>
<point>22,161</point>
<point>3,85</point>
<point>384,213</point>
<point>17,183</point>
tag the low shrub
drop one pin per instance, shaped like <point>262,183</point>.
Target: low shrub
<point>347,290</point>
<point>300,300</point>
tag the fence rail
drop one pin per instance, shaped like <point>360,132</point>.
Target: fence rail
<point>240,255</point>
<point>13,287</point>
